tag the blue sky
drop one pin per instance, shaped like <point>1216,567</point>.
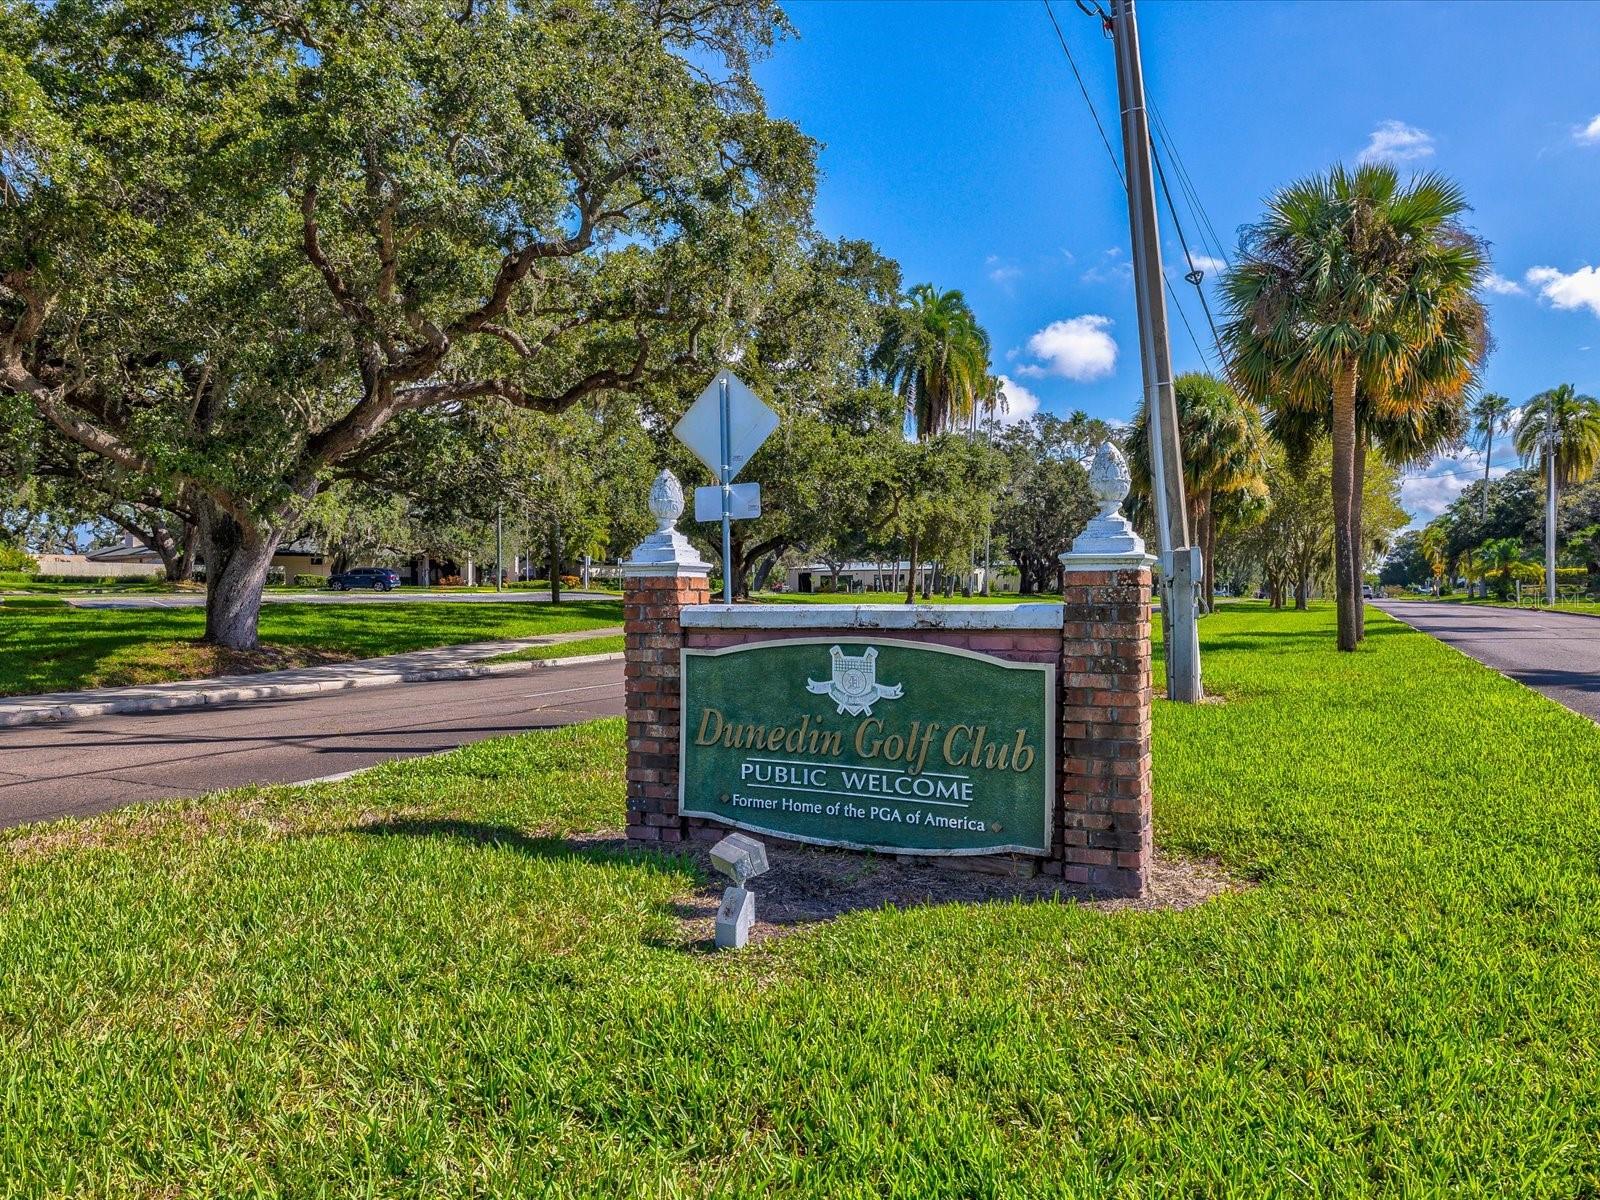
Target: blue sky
<point>955,139</point>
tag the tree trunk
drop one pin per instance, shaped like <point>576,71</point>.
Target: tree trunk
<point>1302,592</point>
<point>764,571</point>
<point>1344,537</point>
<point>177,553</point>
<point>181,568</point>
<point>1357,497</point>
<point>555,563</point>
<point>911,573</point>
<point>1199,519</point>
<point>1210,545</point>
<point>237,560</point>
<point>1488,455</point>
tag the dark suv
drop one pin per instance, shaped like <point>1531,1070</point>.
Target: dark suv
<point>379,579</point>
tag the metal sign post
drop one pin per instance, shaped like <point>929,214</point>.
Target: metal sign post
<point>724,428</point>
<point>725,477</point>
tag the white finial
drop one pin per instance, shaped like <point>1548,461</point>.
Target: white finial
<point>1109,538</point>
<point>666,551</point>
<point>666,501</point>
<point>1109,479</point>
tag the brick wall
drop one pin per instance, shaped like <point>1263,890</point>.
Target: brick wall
<point>1101,824</point>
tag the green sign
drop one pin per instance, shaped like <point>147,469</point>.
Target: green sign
<point>871,743</point>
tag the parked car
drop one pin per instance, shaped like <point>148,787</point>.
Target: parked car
<point>379,579</point>
<point>1367,593</point>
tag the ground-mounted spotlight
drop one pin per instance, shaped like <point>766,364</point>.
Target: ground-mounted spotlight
<point>741,859</point>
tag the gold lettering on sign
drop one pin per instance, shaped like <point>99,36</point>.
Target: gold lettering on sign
<point>703,738</point>
<point>961,746</point>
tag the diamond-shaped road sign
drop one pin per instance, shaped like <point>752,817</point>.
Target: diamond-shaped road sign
<point>750,422</point>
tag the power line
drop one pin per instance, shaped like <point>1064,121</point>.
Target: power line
<point>1195,275</point>
<point>1187,185</point>
<point>1473,474</point>
<point>1116,164</point>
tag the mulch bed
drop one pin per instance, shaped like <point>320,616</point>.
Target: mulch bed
<point>807,885</point>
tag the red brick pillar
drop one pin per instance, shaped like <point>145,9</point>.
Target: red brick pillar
<point>1105,729</point>
<point>664,574</point>
<point>1105,695</point>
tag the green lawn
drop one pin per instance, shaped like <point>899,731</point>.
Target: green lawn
<point>21,583</point>
<point>408,984</point>
<point>47,646</point>
<point>595,645</point>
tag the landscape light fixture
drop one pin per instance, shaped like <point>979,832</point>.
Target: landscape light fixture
<point>741,859</point>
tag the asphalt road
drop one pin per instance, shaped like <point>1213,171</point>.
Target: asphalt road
<point>1554,653</point>
<point>198,599</point>
<point>83,767</point>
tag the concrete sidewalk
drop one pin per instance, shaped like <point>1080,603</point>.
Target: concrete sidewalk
<point>198,599</point>
<point>418,666</point>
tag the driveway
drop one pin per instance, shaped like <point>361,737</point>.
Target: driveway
<point>1554,653</point>
<point>198,599</point>
<point>83,767</point>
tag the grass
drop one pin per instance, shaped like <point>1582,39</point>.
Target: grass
<point>45,645</point>
<point>595,645</point>
<point>22,583</point>
<point>410,984</point>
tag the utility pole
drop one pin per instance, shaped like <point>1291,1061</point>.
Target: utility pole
<point>1179,565</point>
<point>1549,500</point>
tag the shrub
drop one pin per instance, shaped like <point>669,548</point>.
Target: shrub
<point>275,576</point>
<point>570,581</point>
<point>14,558</point>
<point>310,581</point>
<point>450,581</point>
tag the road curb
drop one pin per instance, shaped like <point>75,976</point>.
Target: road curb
<point>1552,612</point>
<point>242,693</point>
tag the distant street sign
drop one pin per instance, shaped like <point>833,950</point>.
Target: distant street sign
<point>744,502</point>
<point>750,422</point>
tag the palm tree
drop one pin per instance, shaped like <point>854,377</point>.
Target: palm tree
<point>1224,453</point>
<point>1573,423</point>
<point>1501,554</point>
<point>1354,283</point>
<point>1489,413</point>
<point>936,356</point>
<point>1435,546</point>
<point>1436,422</point>
<point>1561,429</point>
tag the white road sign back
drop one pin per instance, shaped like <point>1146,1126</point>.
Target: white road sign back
<point>744,502</point>
<point>750,422</point>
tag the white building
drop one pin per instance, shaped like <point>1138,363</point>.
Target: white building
<point>880,577</point>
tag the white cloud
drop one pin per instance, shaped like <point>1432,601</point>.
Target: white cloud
<point>1397,142</point>
<point>1112,268</point>
<point>1078,348</point>
<point>1020,403</point>
<point>1501,286</point>
<point>1203,262</point>
<point>1002,274</point>
<point>1427,495</point>
<point>1579,289</point>
<point>1588,135</point>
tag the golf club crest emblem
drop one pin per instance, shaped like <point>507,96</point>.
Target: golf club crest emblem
<point>854,685</point>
